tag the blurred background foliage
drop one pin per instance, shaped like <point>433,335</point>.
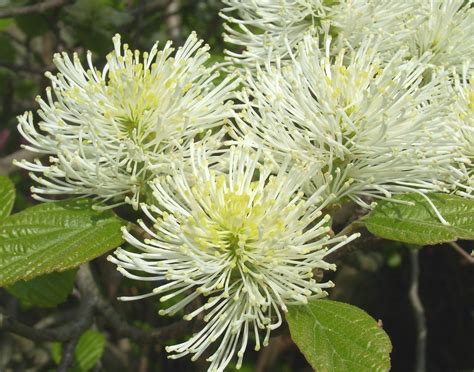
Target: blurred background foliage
<point>376,277</point>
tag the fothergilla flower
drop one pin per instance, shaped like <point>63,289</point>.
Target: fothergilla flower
<point>109,132</point>
<point>263,28</point>
<point>369,125</point>
<point>245,241</point>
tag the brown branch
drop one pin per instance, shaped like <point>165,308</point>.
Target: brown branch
<point>462,252</point>
<point>11,325</point>
<point>67,354</point>
<point>84,321</point>
<point>365,240</point>
<point>92,299</point>
<point>64,333</point>
<point>114,319</point>
<point>33,9</point>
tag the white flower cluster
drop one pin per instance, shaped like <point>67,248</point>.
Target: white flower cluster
<point>445,30</point>
<point>349,100</point>
<point>248,245</point>
<point>369,126</point>
<point>266,29</point>
<point>463,118</point>
<point>109,132</point>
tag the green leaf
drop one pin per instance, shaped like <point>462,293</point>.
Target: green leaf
<point>89,350</point>
<point>47,290</point>
<point>56,352</point>
<point>418,223</point>
<point>55,237</point>
<point>7,196</point>
<point>334,336</point>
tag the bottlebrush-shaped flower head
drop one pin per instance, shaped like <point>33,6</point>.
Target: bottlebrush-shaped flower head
<point>267,28</point>
<point>463,115</point>
<point>109,132</point>
<point>244,241</point>
<point>445,29</point>
<point>370,126</point>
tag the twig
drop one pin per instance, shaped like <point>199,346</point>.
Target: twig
<point>10,325</point>
<point>33,9</point>
<point>462,252</point>
<point>84,321</point>
<point>353,227</point>
<point>61,334</point>
<point>6,163</point>
<point>67,354</point>
<point>419,312</point>
<point>118,324</point>
<point>365,240</point>
<point>92,299</point>
<point>55,319</point>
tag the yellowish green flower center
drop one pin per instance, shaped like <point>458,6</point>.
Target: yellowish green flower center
<point>231,222</point>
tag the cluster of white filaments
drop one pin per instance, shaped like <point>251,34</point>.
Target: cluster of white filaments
<point>370,127</point>
<point>109,132</point>
<point>245,240</point>
<point>463,121</point>
<point>445,29</point>
<point>266,29</point>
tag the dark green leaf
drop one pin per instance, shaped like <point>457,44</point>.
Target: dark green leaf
<point>47,290</point>
<point>55,237</point>
<point>7,196</point>
<point>334,336</point>
<point>418,223</point>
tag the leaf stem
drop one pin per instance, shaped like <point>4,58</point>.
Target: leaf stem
<point>462,252</point>
<point>419,312</point>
